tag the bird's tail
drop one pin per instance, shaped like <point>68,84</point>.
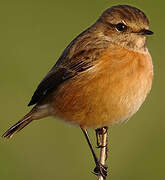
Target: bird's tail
<point>17,127</point>
<point>35,113</point>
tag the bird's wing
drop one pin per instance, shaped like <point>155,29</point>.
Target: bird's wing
<point>77,57</point>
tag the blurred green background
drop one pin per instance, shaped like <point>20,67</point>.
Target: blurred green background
<point>32,36</point>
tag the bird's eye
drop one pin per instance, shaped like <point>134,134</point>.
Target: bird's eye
<point>121,27</point>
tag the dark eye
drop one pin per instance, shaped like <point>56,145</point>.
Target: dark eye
<point>121,27</point>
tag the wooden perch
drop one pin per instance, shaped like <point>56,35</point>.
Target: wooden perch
<point>103,150</point>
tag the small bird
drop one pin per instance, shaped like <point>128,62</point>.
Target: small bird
<point>102,77</point>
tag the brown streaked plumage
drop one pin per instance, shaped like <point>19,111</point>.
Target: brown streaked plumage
<point>102,77</point>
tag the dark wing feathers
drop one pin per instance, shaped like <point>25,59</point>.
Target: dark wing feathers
<point>50,82</point>
<point>78,56</point>
<point>59,74</point>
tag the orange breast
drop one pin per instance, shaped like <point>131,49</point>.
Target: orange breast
<point>109,92</point>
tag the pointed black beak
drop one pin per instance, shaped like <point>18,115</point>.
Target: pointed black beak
<point>146,32</point>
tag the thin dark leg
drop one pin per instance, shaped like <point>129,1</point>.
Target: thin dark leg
<point>99,169</point>
<point>90,145</point>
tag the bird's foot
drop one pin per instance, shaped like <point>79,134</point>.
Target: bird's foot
<point>100,169</point>
<point>101,146</point>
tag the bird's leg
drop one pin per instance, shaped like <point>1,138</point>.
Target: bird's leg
<point>98,137</point>
<point>99,169</point>
<point>90,146</point>
<point>99,133</point>
<point>106,131</point>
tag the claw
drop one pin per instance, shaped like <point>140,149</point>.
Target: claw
<point>100,146</point>
<point>100,170</point>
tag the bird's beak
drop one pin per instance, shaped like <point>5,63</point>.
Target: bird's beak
<point>145,32</point>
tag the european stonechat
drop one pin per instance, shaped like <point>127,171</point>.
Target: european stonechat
<point>102,77</point>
